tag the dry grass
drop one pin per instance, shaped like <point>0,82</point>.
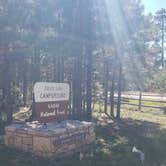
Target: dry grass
<point>114,141</point>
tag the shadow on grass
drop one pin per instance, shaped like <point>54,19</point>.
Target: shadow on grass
<point>121,137</point>
<point>113,147</point>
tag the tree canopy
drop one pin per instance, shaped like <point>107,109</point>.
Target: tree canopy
<point>90,44</point>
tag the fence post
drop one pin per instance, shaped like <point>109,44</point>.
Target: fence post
<point>140,101</point>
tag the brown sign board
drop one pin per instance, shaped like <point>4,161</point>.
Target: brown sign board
<point>51,101</point>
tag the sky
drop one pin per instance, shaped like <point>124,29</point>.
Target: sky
<point>153,5</point>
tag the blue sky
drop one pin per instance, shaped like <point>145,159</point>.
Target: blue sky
<point>153,5</point>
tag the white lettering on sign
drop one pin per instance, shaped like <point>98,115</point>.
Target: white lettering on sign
<point>53,106</point>
<point>48,92</point>
<point>61,112</point>
<point>47,114</point>
<point>53,113</point>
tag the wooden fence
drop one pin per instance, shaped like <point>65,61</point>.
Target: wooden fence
<point>148,100</point>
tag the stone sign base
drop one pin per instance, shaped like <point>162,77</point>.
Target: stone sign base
<point>51,140</point>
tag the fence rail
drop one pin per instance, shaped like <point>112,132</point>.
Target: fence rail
<point>145,94</point>
<point>153,101</point>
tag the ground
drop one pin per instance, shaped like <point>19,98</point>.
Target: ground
<point>114,142</point>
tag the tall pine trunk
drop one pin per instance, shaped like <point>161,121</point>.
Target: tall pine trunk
<point>112,91</point>
<point>36,76</point>
<point>25,83</point>
<point>77,89</point>
<point>89,83</point>
<point>7,89</point>
<point>119,92</point>
<point>106,87</point>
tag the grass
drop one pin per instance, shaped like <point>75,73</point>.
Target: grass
<point>114,142</point>
<point>147,103</point>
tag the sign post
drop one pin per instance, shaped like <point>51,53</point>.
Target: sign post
<point>51,101</point>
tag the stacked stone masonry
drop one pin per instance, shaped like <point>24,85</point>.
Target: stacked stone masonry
<point>51,140</point>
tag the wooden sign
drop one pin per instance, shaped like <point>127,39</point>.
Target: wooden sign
<point>51,101</point>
